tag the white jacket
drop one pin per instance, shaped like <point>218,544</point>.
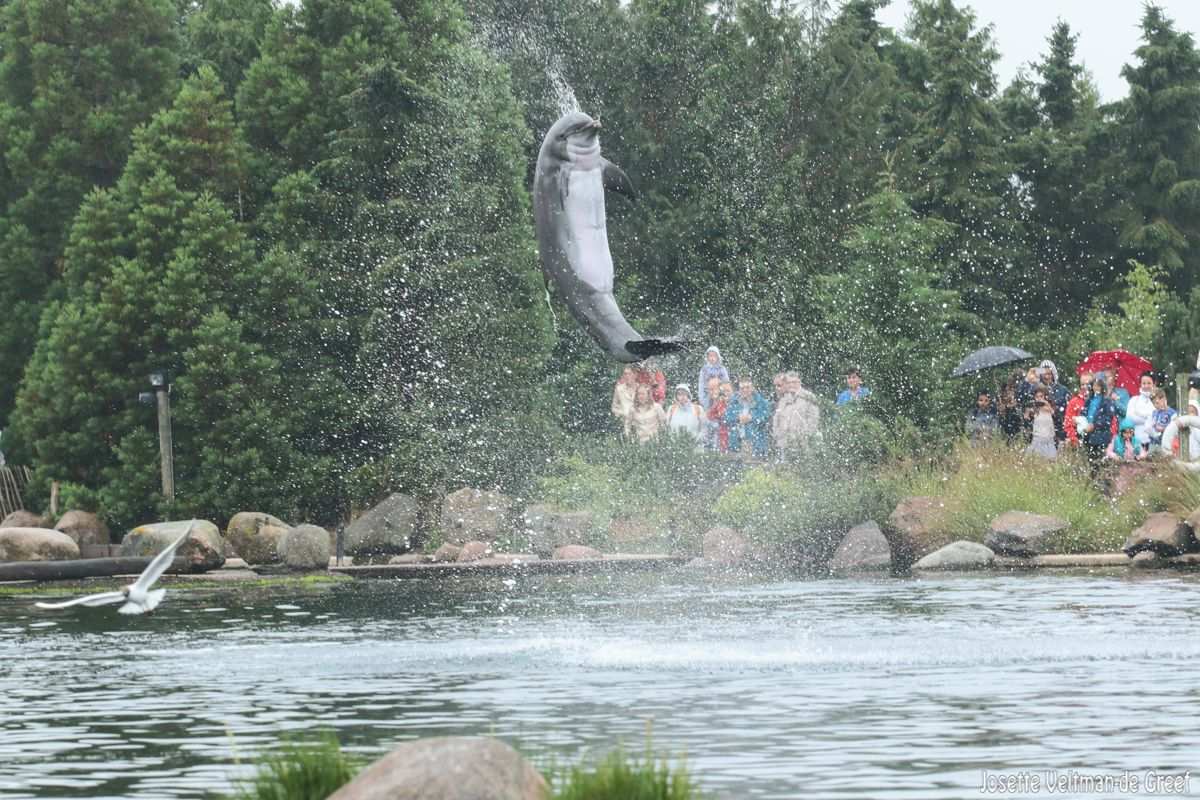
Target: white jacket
<point>1141,414</point>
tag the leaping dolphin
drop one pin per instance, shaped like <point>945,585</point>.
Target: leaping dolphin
<point>568,208</point>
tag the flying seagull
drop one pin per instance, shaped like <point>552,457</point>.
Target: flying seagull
<point>138,596</point>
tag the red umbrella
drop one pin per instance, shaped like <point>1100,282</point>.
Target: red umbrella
<point>1124,368</point>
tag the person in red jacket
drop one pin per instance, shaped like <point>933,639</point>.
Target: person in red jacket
<point>1077,407</point>
<point>650,375</point>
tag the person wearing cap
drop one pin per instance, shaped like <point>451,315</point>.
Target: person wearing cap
<point>712,368</point>
<point>684,415</point>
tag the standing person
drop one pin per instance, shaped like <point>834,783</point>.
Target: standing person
<point>1101,417</point>
<point>623,394</point>
<point>748,416</point>
<point>647,418</point>
<point>684,415</point>
<point>982,423</point>
<point>1058,395</point>
<point>1008,412</point>
<point>718,428</point>
<point>1044,441</point>
<point>1163,414</point>
<point>712,368</point>
<point>1140,411</point>
<point>797,419</point>
<point>854,388</point>
<point>1026,387</point>
<point>650,375</point>
<point>1076,409</point>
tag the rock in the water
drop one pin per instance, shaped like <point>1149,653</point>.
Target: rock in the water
<point>570,552</point>
<point>411,558</point>
<point>1164,533</point>
<point>473,514</point>
<point>1193,522</point>
<point>544,528</point>
<point>1024,535</point>
<point>864,548</point>
<point>25,519</point>
<point>1148,559</point>
<point>255,536</point>
<point>389,528</point>
<point>957,555</point>
<point>724,546</point>
<point>474,551</point>
<point>912,529</point>
<point>36,544</point>
<point>305,547</point>
<point>446,553</point>
<point>448,768</point>
<point>84,527</point>
<point>203,550</point>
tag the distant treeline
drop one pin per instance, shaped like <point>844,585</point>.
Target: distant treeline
<point>315,217</point>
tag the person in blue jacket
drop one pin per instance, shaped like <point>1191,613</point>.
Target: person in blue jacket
<point>748,418</point>
<point>1101,414</point>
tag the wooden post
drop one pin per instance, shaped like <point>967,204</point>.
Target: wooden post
<point>54,487</point>
<point>1181,404</point>
<point>164,443</point>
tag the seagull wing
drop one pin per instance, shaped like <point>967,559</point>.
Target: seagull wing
<point>102,599</point>
<point>160,563</point>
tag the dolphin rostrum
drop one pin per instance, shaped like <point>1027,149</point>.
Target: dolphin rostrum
<point>568,207</point>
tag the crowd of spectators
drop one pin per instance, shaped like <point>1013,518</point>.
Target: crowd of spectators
<point>1035,410</point>
<point>726,416</point>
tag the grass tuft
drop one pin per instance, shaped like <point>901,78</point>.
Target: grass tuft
<point>300,771</point>
<point>621,777</point>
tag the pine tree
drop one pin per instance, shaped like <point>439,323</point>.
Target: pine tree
<point>76,76</point>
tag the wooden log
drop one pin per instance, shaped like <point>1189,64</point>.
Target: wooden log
<point>77,569</point>
<point>621,562</point>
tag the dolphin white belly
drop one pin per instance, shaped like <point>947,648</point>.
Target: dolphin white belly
<point>587,242</point>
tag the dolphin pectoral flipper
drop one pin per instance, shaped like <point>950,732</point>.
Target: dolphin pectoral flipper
<point>645,348</point>
<point>616,180</point>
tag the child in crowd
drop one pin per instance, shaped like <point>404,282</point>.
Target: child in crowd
<point>1125,445</point>
<point>1043,440</point>
<point>684,415</point>
<point>1163,414</point>
<point>647,417</point>
<point>712,368</point>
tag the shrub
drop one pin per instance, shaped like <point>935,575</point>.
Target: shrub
<point>300,771</point>
<point>620,777</point>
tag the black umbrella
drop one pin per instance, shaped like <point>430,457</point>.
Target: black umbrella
<point>987,358</point>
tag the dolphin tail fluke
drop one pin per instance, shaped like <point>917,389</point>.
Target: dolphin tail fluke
<point>645,348</point>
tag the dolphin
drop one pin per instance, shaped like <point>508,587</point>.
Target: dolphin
<point>568,209</point>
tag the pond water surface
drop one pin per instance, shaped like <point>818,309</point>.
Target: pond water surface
<point>888,688</point>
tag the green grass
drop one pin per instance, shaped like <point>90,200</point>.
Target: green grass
<point>300,771</point>
<point>980,483</point>
<point>622,777</point>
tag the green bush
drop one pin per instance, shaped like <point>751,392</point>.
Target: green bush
<point>620,777</point>
<point>300,771</point>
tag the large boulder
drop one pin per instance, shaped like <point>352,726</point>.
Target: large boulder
<point>1193,522</point>
<point>84,527</point>
<point>1165,534</point>
<point>912,530</point>
<point>957,555</point>
<point>724,546</point>
<point>544,528</point>
<point>1024,535</point>
<point>25,519</point>
<point>474,514</point>
<point>305,547</point>
<point>255,536</point>
<point>36,544</point>
<point>446,553</point>
<point>389,528</point>
<point>448,768</point>
<point>863,548</point>
<point>203,550</point>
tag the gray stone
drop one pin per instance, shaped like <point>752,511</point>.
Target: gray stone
<point>1148,559</point>
<point>389,528</point>
<point>863,548</point>
<point>544,528</point>
<point>36,544</point>
<point>571,552</point>
<point>84,527</point>
<point>255,536</point>
<point>305,547</point>
<point>448,768</point>
<point>1164,533</point>
<point>475,514</point>
<point>957,555</point>
<point>722,545</point>
<point>25,519</point>
<point>446,553</point>
<point>1193,522</point>
<point>912,530</point>
<point>203,550</point>
<point>1024,535</point>
<point>474,551</point>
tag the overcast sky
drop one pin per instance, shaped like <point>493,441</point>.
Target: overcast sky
<point>1108,32</point>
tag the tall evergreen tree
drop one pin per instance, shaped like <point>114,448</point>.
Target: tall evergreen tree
<point>76,76</point>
